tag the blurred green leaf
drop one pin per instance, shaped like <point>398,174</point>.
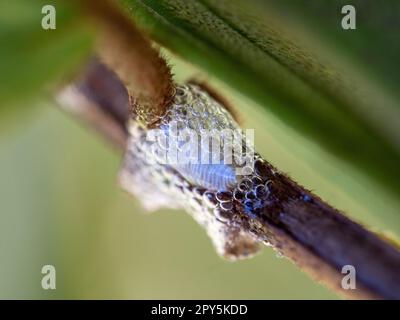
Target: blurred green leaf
<point>31,57</point>
<point>375,45</point>
<point>277,57</point>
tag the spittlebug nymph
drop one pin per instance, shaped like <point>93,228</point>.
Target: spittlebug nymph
<point>192,160</point>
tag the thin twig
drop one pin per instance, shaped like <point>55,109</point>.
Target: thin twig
<point>312,234</point>
<point>99,99</point>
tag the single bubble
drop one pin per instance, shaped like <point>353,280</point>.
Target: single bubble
<point>245,185</point>
<point>239,195</point>
<point>209,199</point>
<point>227,206</point>
<point>198,192</point>
<point>250,195</point>
<point>223,196</point>
<point>222,215</point>
<point>260,191</point>
<point>261,168</point>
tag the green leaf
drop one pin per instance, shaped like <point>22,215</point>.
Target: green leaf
<point>298,64</point>
<point>31,58</point>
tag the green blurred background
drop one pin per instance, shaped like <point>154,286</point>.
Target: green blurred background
<point>60,203</point>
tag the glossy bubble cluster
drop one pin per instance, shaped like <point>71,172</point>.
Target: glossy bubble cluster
<point>251,193</point>
<point>211,192</point>
<point>194,109</point>
<point>200,139</point>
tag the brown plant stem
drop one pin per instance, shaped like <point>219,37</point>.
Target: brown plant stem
<point>131,55</point>
<point>315,236</point>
